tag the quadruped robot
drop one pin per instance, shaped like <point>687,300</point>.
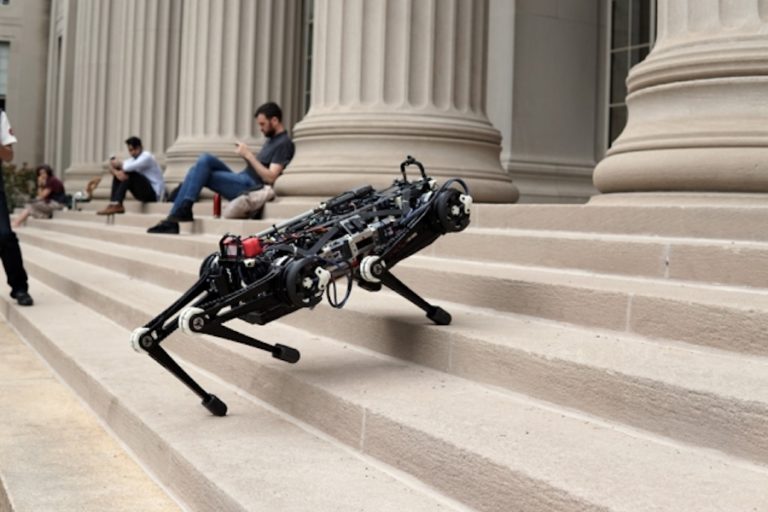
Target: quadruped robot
<point>360,234</point>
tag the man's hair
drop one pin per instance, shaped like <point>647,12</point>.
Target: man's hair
<point>134,142</point>
<point>270,110</point>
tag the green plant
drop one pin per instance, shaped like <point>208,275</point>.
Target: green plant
<point>19,185</point>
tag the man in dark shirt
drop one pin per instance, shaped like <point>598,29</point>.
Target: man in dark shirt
<point>10,253</point>
<point>211,172</point>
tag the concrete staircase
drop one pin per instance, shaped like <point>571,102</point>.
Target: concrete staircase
<point>600,358</point>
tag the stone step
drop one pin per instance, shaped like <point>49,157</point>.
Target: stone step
<point>45,461</point>
<point>728,318</point>
<point>725,222</point>
<point>254,459</point>
<point>706,397</point>
<point>488,450</point>
<point>282,208</point>
<point>201,225</point>
<point>735,263</point>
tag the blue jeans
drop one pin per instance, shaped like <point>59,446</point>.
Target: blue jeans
<point>211,172</point>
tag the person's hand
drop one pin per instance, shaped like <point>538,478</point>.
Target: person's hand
<point>242,149</point>
<point>41,181</point>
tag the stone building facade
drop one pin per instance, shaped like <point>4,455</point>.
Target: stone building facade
<point>523,98</point>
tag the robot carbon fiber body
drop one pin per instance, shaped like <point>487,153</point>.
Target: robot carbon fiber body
<point>360,234</point>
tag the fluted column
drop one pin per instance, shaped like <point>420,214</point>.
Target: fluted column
<point>127,84</point>
<point>698,107</point>
<point>236,55</point>
<point>146,74</point>
<point>395,78</point>
<point>89,118</point>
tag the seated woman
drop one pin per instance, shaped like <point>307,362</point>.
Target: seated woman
<point>50,197</point>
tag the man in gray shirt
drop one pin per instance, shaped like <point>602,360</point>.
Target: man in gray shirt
<point>140,174</point>
<point>211,172</point>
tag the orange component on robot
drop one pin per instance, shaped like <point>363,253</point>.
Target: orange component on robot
<point>252,247</point>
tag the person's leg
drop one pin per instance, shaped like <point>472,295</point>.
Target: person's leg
<point>214,174</point>
<point>116,197</point>
<point>119,188</point>
<point>196,179</point>
<point>10,253</point>
<point>18,221</point>
<point>209,172</point>
<point>141,188</point>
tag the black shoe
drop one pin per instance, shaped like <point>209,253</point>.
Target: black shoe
<point>23,298</point>
<point>165,226</point>
<point>184,214</point>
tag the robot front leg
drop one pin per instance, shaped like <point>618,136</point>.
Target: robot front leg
<point>373,269</point>
<point>148,338</point>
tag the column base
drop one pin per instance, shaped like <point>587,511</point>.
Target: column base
<point>77,176</point>
<point>335,153</point>
<point>683,199</point>
<point>704,169</point>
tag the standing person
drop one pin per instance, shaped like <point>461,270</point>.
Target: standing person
<point>10,252</point>
<point>211,172</point>
<point>50,197</point>
<point>141,174</point>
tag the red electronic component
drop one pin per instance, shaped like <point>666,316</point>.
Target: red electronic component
<point>252,247</point>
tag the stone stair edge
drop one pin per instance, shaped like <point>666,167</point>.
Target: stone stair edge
<point>191,473</point>
<point>619,308</point>
<point>723,469</point>
<point>673,259</point>
<point>189,274</point>
<point>672,221</point>
<point>44,429</point>
<point>607,281</point>
<point>651,390</point>
<point>507,232</point>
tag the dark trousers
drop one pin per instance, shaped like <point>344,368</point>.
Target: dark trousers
<point>139,186</point>
<point>10,252</point>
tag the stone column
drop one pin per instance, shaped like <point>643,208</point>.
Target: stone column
<point>698,105</point>
<point>144,78</point>
<point>126,82</point>
<point>89,101</point>
<point>146,67</point>
<point>395,78</point>
<point>235,55</point>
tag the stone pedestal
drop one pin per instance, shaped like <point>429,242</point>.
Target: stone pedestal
<point>698,107</point>
<point>236,55</point>
<point>391,79</point>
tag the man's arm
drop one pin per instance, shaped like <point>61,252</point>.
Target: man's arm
<point>267,174</point>
<point>6,153</point>
<point>142,162</point>
<point>116,168</point>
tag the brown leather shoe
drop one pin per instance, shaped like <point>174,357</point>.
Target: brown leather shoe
<point>111,210</point>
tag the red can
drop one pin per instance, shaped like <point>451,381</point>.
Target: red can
<point>216,205</point>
